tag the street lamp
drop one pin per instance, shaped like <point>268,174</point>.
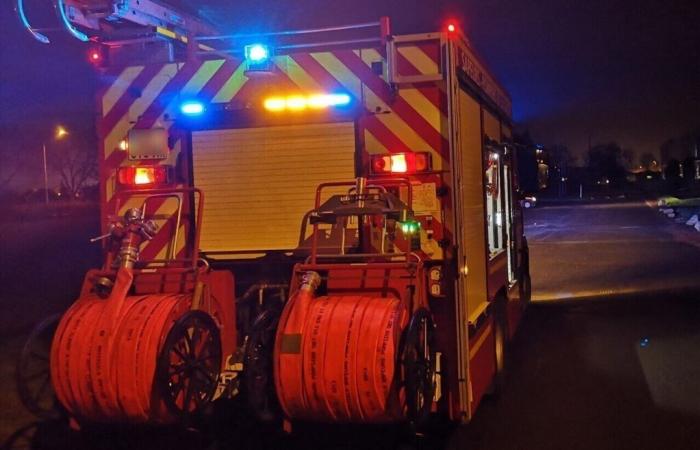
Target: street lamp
<point>60,133</point>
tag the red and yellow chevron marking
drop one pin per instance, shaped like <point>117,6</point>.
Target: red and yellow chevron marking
<point>163,211</point>
<point>412,119</point>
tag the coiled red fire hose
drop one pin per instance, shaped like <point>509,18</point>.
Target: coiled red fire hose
<point>335,358</point>
<point>104,353</point>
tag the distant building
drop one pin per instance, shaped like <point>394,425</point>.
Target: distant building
<point>542,158</point>
<point>533,170</point>
<point>680,158</point>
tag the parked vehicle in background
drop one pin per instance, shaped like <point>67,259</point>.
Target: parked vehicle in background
<point>529,201</point>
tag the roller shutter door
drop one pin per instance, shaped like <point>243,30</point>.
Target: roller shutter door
<point>259,182</point>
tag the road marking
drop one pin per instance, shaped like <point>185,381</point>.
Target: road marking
<point>600,241</point>
<point>684,286</point>
<point>590,227</point>
<point>636,204</point>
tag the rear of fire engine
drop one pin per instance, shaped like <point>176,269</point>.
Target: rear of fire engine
<point>360,187</point>
<point>391,315</point>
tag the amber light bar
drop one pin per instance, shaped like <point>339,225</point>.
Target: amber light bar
<point>304,102</point>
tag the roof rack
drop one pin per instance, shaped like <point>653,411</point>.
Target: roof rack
<point>100,20</point>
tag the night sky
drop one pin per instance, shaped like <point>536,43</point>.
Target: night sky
<point>618,70</point>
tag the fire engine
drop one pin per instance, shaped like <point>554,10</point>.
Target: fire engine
<point>325,220</point>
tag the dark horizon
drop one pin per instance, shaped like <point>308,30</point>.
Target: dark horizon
<point>320,252</point>
<point>601,71</point>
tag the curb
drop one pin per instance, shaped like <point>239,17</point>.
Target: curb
<point>566,298</point>
<point>682,231</point>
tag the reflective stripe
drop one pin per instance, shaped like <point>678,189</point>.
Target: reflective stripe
<point>412,121</point>
<point>117,89</point>
<point>418,59</point>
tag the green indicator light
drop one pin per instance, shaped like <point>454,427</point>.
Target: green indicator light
<point>410,227</point>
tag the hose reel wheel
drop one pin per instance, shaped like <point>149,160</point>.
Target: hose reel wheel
<point>32,374</point>
<point>258,366</point>
<point>418,366</point>
<point>189,364</point>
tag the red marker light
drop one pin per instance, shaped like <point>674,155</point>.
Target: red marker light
<point>451,28</point>
<point>401,163</point>
<point>95,56</point>
<point>379,164</point>
<point>143,175</point>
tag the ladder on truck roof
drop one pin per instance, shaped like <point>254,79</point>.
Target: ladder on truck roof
<point>105,20</point>
<point>119,23</point>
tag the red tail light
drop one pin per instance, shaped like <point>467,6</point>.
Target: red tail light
<point>143,175</point>
<point>400,163</point>
<point>97,56</point>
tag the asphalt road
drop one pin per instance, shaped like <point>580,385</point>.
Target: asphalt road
<point>607,358</point>
<point>595,250</point>
<point>43,260</point>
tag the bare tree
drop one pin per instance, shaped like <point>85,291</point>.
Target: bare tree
<point>77,168</point>
<point>9,168</point>
<point>647,160</point>
<point>605,163</point>
<point>628,158</point>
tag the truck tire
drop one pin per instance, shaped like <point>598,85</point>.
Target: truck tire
<point>524,280</point>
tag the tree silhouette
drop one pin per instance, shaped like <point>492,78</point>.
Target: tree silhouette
<point>673,169</point>
<point>77,168</point>
<point>8,169</point>
<point>605,163</point>
<point>647,161</point>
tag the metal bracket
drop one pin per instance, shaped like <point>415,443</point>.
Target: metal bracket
<point>395,43</point>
